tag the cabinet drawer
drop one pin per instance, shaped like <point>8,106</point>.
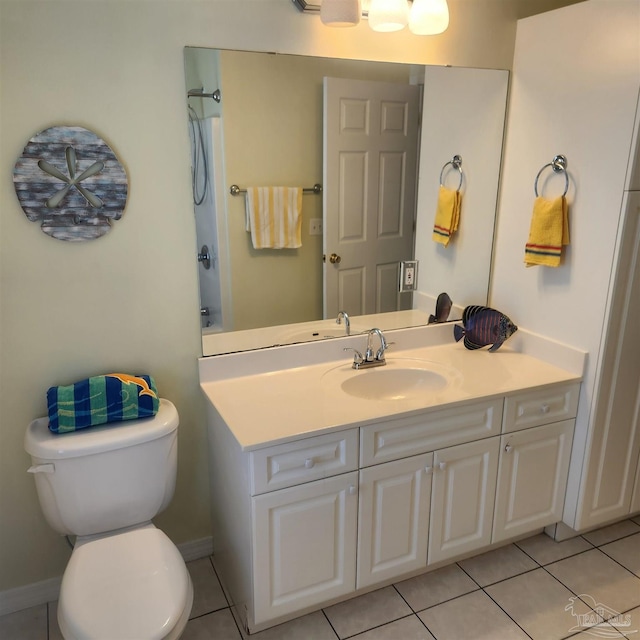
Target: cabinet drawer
<point>426,432</point>
<point>293,463</point>
<point>535,408</point>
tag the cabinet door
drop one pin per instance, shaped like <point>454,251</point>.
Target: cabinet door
<point>304,544</point>
<point>532,479</point>
<point>462,498</point>
<point>393,518</point>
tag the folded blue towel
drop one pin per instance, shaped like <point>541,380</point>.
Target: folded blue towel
<point>110,398</point>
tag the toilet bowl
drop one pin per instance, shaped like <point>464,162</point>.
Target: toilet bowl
<point>125,579</point>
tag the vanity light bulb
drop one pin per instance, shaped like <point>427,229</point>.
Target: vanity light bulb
<point>340,13</point>
<point>429,17</point>
<point>388,15</point>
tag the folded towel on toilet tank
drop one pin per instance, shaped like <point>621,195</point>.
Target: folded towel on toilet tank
<point>113,397</point>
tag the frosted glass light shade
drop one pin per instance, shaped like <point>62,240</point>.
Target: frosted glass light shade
<point>388,15</point>
<point>340,13</point>
<point>429,17</point>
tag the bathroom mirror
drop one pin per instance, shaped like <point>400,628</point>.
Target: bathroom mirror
<point>256,119</point>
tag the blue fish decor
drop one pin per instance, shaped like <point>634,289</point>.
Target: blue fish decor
<point>483,326</point>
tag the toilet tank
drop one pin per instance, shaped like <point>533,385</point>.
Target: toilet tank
<point>108,477</point>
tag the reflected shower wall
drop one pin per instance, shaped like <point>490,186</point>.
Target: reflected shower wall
<point>204,205</point>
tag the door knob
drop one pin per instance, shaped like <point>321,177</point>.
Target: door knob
<point>334,258</point>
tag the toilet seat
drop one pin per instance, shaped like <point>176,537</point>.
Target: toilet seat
<point>125,586</point>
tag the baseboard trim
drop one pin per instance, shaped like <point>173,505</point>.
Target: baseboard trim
<point>38,593</point>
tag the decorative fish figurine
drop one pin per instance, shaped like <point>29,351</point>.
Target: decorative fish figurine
<point>483,326</point>
<point>443,309</point>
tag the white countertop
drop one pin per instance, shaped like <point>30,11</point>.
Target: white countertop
<point>283,404</point>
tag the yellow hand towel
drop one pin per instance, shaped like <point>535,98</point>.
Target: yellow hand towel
<point>549,231</point>
<point>447,215</point>
<point>274,217</point>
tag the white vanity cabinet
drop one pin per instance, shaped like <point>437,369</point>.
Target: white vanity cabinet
<point>304,545</point>
<point>393,518</point>
<point>304,517</point>
<point>313,520</point>
<point>532,479</point>
<point>464,489</point>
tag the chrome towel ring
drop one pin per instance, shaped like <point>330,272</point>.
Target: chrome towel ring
<point>456,163</point>
<point>559,165</point>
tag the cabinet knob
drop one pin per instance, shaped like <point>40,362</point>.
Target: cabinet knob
<point>428,469</point>
<point>352,490</point>
<point>308,463</point>
<point>442,466</point>
<point>544,408</point>
<point>508,448</point>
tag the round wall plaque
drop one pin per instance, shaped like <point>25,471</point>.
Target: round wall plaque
<point>71,181</point>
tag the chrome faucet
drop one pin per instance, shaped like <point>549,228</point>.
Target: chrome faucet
<point>347,322</point>
<point>370,358</point>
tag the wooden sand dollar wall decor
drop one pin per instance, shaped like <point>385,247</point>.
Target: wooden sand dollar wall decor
<point>71,181</point>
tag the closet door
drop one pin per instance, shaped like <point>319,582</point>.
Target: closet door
<point>613,456</point>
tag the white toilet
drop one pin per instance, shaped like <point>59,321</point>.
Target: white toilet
<point>125,579</point>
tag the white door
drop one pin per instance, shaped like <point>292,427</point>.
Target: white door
<point>370,164</point>
<point>615,446</point>
<point>393,518</point>
<point>304,545</point>
<point>532,479</point>
<point>462,498</point>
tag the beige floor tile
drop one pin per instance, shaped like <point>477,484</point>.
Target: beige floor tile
<point>435,587</point>
<point>540,605</point>
<point>28,624</point>
<point>626,551</point>
<point>473,615</point>
<point>598,580</point>
<point>604,630</point>
<point>629,624</point>
<point>409,628</point>
<point>313,626</point>
<point>499,564</point>
<point>612,532</point>
<point>367,611</point>
<point>219,625</point>
<point>544,549</point>
<point>207,592</point>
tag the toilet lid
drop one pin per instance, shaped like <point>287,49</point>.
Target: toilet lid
<point>128,585</point>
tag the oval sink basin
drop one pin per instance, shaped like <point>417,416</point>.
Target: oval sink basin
<point>393,384</point>
<point>399,379</point>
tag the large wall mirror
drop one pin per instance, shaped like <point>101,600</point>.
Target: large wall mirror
<point>258,119</point>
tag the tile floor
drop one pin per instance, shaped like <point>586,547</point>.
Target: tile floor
<point>535,589</point>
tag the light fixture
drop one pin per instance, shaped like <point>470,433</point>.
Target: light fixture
<point>340,13</point>
<point>388,15</point>
<point>428,17</point>
<point>424,17</point>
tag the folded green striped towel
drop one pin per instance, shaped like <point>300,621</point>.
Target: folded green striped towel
<point>110,398</point>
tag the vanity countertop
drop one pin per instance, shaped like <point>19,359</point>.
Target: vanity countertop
<point>270,407</point>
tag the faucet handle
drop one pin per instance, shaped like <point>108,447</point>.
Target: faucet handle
<point>357,356</point>
<point>382,349</point>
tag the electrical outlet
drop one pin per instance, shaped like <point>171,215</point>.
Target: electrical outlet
<point>408,275</point>
<point>315,227</point>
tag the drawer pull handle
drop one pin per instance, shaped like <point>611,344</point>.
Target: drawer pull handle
<point>442,466</point>
<point>544,408</point>
<point>508,448</point>
<point>308,463</point>
<point>428,469</point>
<point>352,490</point>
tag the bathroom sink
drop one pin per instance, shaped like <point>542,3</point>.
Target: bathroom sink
<point>399,379</point>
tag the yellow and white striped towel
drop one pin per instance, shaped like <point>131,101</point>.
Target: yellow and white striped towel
<point>274,217</point>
